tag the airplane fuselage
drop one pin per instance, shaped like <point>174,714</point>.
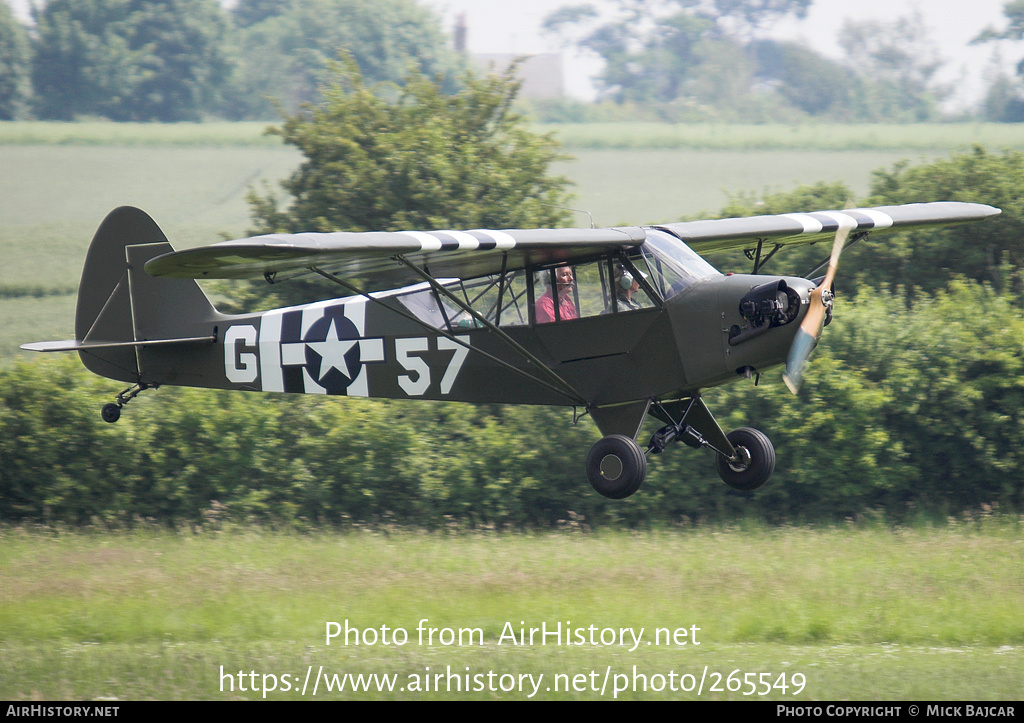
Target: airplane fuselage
<point>357,346</point>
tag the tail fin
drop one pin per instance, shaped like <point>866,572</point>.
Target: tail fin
<point>120,305</point>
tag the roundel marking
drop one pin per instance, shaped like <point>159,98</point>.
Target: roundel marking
<point>332,353</point>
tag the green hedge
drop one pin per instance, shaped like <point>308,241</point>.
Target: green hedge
<point>907,410</point>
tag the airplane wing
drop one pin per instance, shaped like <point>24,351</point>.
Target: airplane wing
<point>370,257</point>
<point>804,228</point>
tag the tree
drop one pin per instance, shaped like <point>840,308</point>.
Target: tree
<point>249,12</point>
<point>746,17</point>
<point>897,63</point>
<point>1013,11</point>
<point>1005,99</point>
<point>652,51</point>
<point>419,160</point>
<point>181,63</point>
<point>806,80</point>
<point>992,251</point>
<point>14,65</point>
<point>285,48</point>
<point>82,62</point>
<point>129,59</point>
<point>686,60</point>
<point>925,259</point>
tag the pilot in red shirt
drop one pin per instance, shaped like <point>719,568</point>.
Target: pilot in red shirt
<point>545,306</point>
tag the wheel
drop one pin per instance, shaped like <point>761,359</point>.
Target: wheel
<point>110,412</point>
<point>616,466</point>
<point>756,463</point>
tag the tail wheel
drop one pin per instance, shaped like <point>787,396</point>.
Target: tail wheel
<point>755,460</point>
<point>616,466</point>
<point>111,412</point>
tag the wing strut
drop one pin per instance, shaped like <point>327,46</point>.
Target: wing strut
<point>755,256</point>
<point>561,388</point>
<point>856,237</point>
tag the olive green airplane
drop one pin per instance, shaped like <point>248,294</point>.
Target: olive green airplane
<point>617,323</point>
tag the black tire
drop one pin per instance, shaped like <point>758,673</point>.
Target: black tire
<point>757,464</point>
<point>110,412</point>
<point>616,466</point>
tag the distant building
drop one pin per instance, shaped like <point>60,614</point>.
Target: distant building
<point>542,74</point>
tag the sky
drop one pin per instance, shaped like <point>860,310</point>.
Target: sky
<point>513,26</point>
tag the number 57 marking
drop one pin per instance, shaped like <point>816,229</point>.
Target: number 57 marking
<point>417,381</point>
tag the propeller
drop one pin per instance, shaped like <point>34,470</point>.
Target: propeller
<point>810,329</point>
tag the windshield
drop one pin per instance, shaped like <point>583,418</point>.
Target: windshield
<point>673,264</point>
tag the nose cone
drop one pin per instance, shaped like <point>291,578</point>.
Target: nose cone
<point>804,289</point>
<point>819,313</point>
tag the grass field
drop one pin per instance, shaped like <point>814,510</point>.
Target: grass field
<point>53,197</point>
<point>645,186</point>
<point>922,137</point>
<point>862,613</point>
<point>108,133</point>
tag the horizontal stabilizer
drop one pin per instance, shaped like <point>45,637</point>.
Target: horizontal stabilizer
<point>73,345</point>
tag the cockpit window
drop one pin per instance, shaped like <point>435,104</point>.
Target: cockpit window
<point>593,288</point>
<point>612,283</point>
<point>673,264</point>
<point>499,298</point>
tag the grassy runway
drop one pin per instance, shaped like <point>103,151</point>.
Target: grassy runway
<point>856,613</point>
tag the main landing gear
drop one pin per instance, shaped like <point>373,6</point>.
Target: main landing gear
<point>112,412</point>
<point>744,458</point>
<point>754,461</point>
<point>616,466</point>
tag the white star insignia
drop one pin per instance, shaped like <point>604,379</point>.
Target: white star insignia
<point>332,351</point>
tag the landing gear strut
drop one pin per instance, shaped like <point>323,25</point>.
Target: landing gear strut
<point>112,412</point>
<point>616,465</point>
<point>744,458</point>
